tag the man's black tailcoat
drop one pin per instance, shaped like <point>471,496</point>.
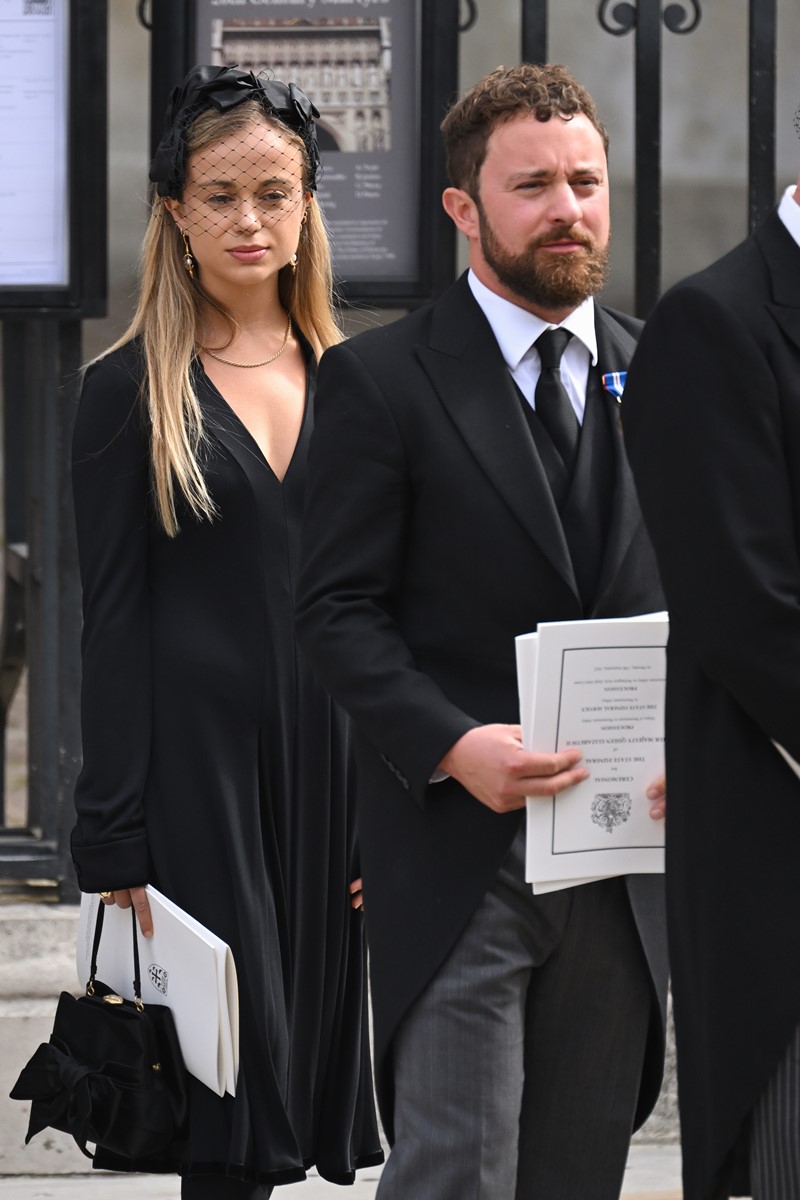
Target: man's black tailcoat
<point>431,540</point>
<point>712,423</point>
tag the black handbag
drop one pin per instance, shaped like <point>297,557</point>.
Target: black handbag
<point>112,1072</point>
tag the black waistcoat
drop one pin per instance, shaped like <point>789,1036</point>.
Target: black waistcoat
<point>584,501</point>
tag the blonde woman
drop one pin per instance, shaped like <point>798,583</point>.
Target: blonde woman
<point>214,767</point>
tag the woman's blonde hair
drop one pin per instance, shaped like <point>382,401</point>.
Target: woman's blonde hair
<point>170,309</point>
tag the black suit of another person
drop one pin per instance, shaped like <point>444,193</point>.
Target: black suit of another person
<point>431,539</point>
<point>712,425</point>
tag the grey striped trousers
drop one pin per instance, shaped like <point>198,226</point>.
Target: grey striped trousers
<point>775,1132</point>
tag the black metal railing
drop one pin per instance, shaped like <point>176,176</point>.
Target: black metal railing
<point>41,602</point>
<point>763,34</point>
<point>55,352</point>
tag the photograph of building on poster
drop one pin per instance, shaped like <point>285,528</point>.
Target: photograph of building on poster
<point>360,62</point>
<point>344,64</point>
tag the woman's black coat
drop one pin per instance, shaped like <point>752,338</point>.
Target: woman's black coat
<point>216,768</point>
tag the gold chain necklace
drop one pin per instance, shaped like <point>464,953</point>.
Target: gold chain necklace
<point>250,366</point>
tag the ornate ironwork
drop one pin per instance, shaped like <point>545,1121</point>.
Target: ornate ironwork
<point>623,14</point>
<point>683,17</point>
<point>646,18</point>
<point>470,18</point>
<point>678,20</point>
<point>144,15</point>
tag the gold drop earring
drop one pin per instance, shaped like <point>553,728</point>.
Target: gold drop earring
<point>189,260</point>
<point>293,261</point>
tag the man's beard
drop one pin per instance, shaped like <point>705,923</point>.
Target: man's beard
<point>548,280</point>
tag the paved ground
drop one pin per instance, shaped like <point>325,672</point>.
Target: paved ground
<point>653,1174</point>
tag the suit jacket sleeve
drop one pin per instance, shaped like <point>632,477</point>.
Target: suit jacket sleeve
<point>110,475</point>
<point>355,529</point>
<point>704,433</point>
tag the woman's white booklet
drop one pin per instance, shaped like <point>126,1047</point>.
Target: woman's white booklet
<point>184,966</point>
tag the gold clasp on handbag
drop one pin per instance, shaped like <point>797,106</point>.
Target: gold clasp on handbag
<point>112,998</point>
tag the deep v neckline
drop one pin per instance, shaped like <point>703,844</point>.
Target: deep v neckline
<point>246,438</point>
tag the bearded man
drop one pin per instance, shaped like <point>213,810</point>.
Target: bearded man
<point>467,481</point>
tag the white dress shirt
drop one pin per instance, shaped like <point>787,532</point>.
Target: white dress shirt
<point>789,212</point>
<point>516,330</point>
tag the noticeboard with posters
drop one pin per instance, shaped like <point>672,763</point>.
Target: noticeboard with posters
<point>381,73</point>
<point>52,196</point>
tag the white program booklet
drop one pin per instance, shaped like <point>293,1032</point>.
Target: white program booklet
<point>185,967</point>
<point>597,685</point>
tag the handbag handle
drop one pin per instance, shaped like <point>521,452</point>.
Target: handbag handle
<point>98,929</point>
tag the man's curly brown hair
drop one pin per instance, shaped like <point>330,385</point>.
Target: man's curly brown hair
<point>507,92</point>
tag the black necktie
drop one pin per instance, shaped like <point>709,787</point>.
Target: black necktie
<point>553,406</point>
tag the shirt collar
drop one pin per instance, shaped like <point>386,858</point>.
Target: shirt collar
<point>516,329</point>
<point>789,212</point>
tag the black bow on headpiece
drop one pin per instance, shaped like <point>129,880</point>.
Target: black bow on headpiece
<point>223,88</point>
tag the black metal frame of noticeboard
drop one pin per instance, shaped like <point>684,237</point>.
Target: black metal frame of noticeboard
<point>85,292</point>
<point>171,56</point>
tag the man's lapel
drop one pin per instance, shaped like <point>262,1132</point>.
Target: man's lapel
<point>465,366</point>
<point>782,256</point>
<point>615,347</point>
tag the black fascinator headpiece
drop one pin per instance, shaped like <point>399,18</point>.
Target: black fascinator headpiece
<point>223,88</point>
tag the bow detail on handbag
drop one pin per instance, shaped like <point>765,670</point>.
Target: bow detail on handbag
<point>112,1071</point>
<point>68,1092</point>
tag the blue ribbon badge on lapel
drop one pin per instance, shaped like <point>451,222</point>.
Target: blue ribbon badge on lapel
<point>614,382</point>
